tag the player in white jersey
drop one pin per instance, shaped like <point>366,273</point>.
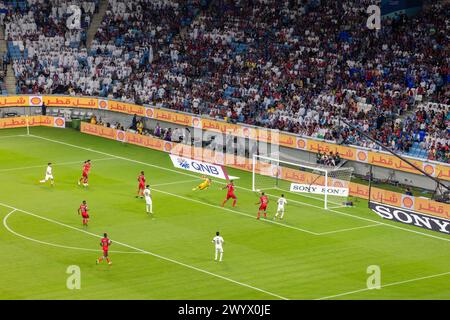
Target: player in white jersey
<point>148,199</point>
<point>280,210</point>
<point>48,174</point>
<point>218,242</point>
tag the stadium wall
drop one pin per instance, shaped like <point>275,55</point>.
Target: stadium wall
<point>298,146</point>
<point>418,204</point>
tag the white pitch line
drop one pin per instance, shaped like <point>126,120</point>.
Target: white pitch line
<point>55,164</point>
<point>5,224</point>
<point>14,136</point>
<point>349,229</point>
<point>384,286</point>
<point>187,174</point>
<point>171,183</point>
<point>235,211</point>
<point>183,173</point>
<point>150,253</point>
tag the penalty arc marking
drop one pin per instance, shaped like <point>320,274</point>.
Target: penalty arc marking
<point>5,224</point>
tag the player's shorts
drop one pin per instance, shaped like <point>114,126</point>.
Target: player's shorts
<point>263,207</point>
<point>231,196</point>
<point>105,253</point>
<point>141,186</point>
<point>219,249</point>
<point>148,200</point>
<point>48,177</point>
<point>85,174</point>
<point>85,215</point>
<point>280,209</point>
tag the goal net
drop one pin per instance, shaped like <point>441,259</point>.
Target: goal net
<point>316,184</point>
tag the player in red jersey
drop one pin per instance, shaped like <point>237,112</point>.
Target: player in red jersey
<point>83,210</point>
<point>141,186</point>
<point>105,243</point>
<point>230,193</point>
<point>263,201</point>
<point>85,175</point>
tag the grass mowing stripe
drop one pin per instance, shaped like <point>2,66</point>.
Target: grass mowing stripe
<point>13,136</point>
<point>386,285</point>
<point>187,174</point>
<point>55,164</point>
<point>349,229</point>
<point>150,253</point>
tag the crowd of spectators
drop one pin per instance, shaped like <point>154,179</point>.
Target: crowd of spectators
<point>330,159</point>
<point>296,66</point>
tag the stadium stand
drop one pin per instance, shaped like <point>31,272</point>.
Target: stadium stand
<point>276,64</point>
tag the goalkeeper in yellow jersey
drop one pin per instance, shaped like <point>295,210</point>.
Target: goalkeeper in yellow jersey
<point>204,185</point>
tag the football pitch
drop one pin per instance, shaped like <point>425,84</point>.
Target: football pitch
<point>312,254</point>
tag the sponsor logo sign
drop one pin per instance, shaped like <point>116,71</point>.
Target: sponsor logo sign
<point>59,122</point>
<point>306,188</point>
<point>121,135</point>
<point>103,104</point>
<point>199,167</point>
<point>35,101</point>
<point>410,217</point>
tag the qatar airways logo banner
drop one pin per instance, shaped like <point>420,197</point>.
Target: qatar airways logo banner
<point>331,191</point>
<point>410,217</point>
<point>201,167</point>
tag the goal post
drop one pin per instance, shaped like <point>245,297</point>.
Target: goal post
<point>324,186</point>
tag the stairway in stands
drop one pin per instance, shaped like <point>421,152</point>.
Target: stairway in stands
<point>96,21</point>
<point>9,82</point>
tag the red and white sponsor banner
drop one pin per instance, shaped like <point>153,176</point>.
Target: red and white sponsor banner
<point>121,136</point>
<point>149,112</point>
<point>407,202</point>
<point>301,143</point>
<point>36,101</point>
<point>429,168</point>
<point>201,167</point>
<point>362,155</point>
<point>59,122</point>
<point>197,122</point>
<point>103,104</point>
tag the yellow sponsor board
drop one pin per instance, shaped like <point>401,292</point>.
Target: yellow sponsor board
<point>418,204</point>
<point>172,117</point>
<point>441,171</point>
<point>123,107</point>
<point>71,102</point>
<point>32,121</point>
<point>14,101</point>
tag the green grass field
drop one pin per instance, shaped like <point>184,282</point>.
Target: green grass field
<point>314,254</point>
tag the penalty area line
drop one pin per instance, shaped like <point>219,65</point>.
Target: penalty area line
<point>7,227</point>
<point>242,188</point>
<point>12,136</point>
<point>386,285</point>
<point>349,229</point>
<point>242,284</point>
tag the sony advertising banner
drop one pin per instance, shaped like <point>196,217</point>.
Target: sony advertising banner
<point>411,217</point>
<point>331,191</point>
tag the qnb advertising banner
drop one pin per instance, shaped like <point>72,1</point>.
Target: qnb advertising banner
<point>411,217</point>
<point>199,167</point>
<point>331,191</point>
